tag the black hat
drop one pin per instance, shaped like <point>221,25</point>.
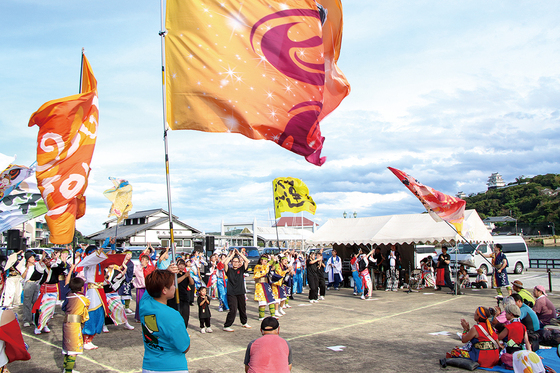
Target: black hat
<point>269,324</point>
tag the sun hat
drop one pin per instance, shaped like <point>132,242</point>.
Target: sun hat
<point>518,283</point>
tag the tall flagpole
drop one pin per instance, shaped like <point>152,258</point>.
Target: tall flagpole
<point>276,221</point>
<point>79,91</point>
<point>162,34</point>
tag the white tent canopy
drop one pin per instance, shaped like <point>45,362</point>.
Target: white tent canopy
<point>398,229</point>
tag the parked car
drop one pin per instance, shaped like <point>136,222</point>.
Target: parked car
<point>271,250</point>
<point>514,247</point>
<point>424,251</point>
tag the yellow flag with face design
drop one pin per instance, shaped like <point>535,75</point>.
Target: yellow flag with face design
<point>291,194</point>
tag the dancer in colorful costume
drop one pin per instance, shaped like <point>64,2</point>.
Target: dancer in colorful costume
<point>222,283</point>
<point>263,290</point>
<point>48,292</point>
<point>114,281</point>
<point>76,307</point>
<point>94,265</point>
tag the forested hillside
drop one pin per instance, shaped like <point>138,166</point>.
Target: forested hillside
<point>533,201</point>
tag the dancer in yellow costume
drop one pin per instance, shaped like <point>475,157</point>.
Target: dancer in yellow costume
<point>76,308</point>
<point>263,290</point>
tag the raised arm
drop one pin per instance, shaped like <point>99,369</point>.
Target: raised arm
<point>229,257</point>
<point>245,260</point>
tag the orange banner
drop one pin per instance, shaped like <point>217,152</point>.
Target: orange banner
<point>445,207</point>
<point>65,143</point>
<point>262,68</point>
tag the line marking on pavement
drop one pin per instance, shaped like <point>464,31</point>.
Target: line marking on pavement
<point>80,355</point>
<point>332,329</point>
<point>371,320</point>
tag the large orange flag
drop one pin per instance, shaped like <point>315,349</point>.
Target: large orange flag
<point>440,206</point>
<point>263,68</point>
<point>65,143</point>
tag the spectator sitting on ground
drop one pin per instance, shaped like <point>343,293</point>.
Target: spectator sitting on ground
<point>528,317</point>
<point>269,353</point>
<point>464,280</point>
<point>524,293</point>
<point>481,281</point>
<point>543,307</point>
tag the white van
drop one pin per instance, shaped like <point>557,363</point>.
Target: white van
<point>514,247</point>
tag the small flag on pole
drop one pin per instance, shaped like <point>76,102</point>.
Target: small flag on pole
<point>65,143</point>
<point>440,206</point>
<point>22,204</point>
<point>291,194</point>
<point>12,176</point>
<point>121,196</point>
<point>264,69</point>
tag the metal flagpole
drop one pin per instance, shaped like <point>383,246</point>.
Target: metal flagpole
<point>74,239</point>
<point>162,34</point>
<point>276,222</point>
<point>302,248</point>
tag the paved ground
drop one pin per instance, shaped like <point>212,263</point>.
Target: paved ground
<point>390,333</point>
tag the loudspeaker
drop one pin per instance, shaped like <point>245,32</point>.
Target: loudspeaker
<point>209,245</point>
<point>14,240</point>
<point>199,246</point>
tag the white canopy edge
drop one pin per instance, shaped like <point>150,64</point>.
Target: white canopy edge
<point>398,229</point>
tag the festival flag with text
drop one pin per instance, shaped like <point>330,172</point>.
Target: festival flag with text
<point>264,69</point>
<point>440,206</point>
<point>22,204</point>
<point>12,176</point>
<point>65,143</point>
<point>291,194</point>
<point>121,196</point>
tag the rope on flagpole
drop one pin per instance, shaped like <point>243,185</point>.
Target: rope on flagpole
<point>162,34</point>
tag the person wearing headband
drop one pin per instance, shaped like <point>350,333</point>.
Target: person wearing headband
<point>484,339</point>
<point>269,353</point>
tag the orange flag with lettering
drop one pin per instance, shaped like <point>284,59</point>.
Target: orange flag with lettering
<point>65,143</point>
<point>262,68</point>
<point>440,206</point>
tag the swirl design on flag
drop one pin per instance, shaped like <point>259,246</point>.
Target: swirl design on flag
<point>281,51</point>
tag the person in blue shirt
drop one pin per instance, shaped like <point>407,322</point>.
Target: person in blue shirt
<point>528,317</point>
<point>164,259</point>
<point>166,340</point>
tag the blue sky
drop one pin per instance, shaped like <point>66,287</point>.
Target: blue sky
<point>449,92</point>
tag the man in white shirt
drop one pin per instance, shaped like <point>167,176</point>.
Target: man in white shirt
<point>334,270</point>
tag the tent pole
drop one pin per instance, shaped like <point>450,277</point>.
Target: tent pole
<point>162,34</point>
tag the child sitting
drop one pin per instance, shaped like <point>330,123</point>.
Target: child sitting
<point>203,302</point>
<point>464,280</point>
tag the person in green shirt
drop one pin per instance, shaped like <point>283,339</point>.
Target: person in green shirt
<point>525,294</point>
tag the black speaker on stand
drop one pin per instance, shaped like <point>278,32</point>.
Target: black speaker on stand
<point>209,245</point>
<point>14,240</point>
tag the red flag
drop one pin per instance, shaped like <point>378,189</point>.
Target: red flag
<point>440,206</point>
<point>264,69</point>
<point>65,143</point>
